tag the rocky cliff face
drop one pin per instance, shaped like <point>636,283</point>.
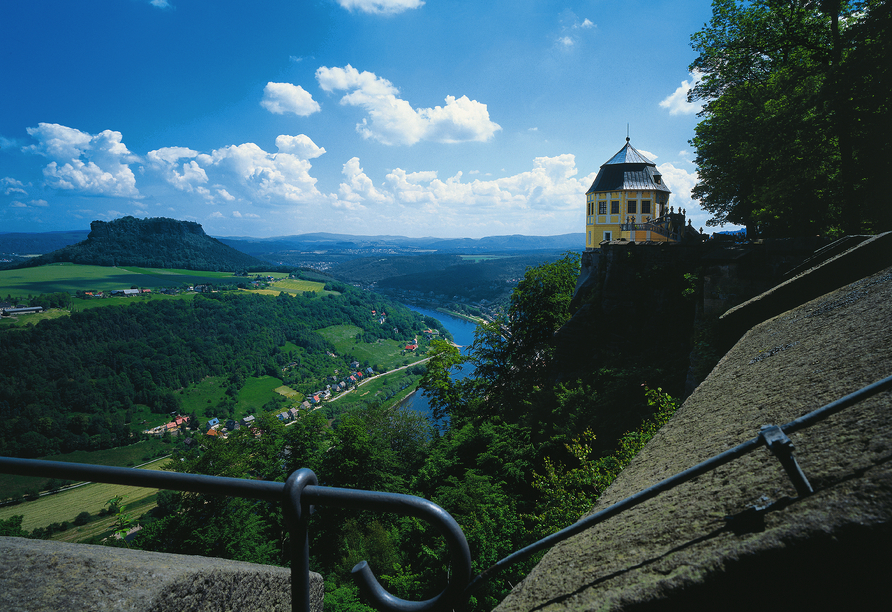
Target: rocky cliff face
<point>144,228</point>
<point>741,536</point>
<point>645,312</point>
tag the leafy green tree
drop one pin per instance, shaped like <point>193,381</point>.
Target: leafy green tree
<point>512,354</point>
<point>782,146</point>
<point>566,494</point>
<point>13,527</point>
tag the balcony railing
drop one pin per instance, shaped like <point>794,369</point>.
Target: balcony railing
<point>300,492</point>
<point>649,226</point>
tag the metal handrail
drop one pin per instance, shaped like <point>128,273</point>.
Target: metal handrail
<point>300,492</point>
<point>297,495</point>
<point>780,445</point>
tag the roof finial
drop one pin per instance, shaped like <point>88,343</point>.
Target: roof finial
<point>627,133</point>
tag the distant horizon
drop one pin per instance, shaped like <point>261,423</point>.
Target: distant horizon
<point>87,230</point>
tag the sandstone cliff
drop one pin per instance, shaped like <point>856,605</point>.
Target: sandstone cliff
<point>740,537</point>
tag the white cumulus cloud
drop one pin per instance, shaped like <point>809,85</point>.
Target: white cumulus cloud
<point>91,164</point>
<point>281,98</point>
<point>188,177</point>
<point>358,188</point>
<point>392,120</point>
<point>301,146</point>
<point>387,7</point>
<point>243,172</point>
<point>681,182</point>
<point>545,199</point>
<point>677,101</point>
<point>246,171</point>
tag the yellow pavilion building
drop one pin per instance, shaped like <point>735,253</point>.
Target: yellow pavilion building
<point>629,201</point>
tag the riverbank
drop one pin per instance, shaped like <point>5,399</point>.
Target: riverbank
<point>460,315</point>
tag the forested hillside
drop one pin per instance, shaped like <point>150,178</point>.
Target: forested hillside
<point>489,279</point>
<point>493,455</point>
<point>152,243</point>
<point>75,382</point>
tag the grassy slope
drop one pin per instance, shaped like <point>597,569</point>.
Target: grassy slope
<point>66,505</point>
<point>123,456</point>
<point>387,353</point>
<point>73,277</point>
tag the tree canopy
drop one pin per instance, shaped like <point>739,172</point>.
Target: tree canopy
<point>796,125</point>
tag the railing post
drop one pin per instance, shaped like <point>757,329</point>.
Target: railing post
<point>297,516</point>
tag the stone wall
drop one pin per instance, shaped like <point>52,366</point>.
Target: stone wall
<point>39,575</point>
<point>740,537</point>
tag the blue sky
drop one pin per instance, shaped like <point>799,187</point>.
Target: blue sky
<point>401,117</point>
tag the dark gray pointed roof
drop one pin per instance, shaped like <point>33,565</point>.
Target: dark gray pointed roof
<point>629,169</point>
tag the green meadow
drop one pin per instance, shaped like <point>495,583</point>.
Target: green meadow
<point>256,392</point>
<point>12,486</point>
<point>386,353</point>
<point>293,286</point>
<point>74,277</point>
<point>389,389</point>
<point>92,498</point>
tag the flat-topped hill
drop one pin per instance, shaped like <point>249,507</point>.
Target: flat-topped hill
<point>740,537</point>
<point>154,243</point>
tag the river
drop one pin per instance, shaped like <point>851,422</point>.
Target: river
<point>462,332</point>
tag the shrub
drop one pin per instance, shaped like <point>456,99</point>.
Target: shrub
<point>83,518</point>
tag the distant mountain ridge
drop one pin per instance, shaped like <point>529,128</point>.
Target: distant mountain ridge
<point>156,242</point>
<point>22,243</point>
<point>322,241</point>
<point>45,242</point>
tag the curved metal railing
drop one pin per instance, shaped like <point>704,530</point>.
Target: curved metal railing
<point>300,492</point>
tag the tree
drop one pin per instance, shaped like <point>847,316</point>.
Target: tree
<point>782,146</point>
<point>512,355</point>
<point>13,527</point>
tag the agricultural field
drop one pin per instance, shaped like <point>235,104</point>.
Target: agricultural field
<point>102,527</point>
<point>288,393</point>
<point>92,498</point>
<point>78,305</point>
<point>292,286</point>
<point>206,398</point>
<point>71,278</point>
<point>122,456</point>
